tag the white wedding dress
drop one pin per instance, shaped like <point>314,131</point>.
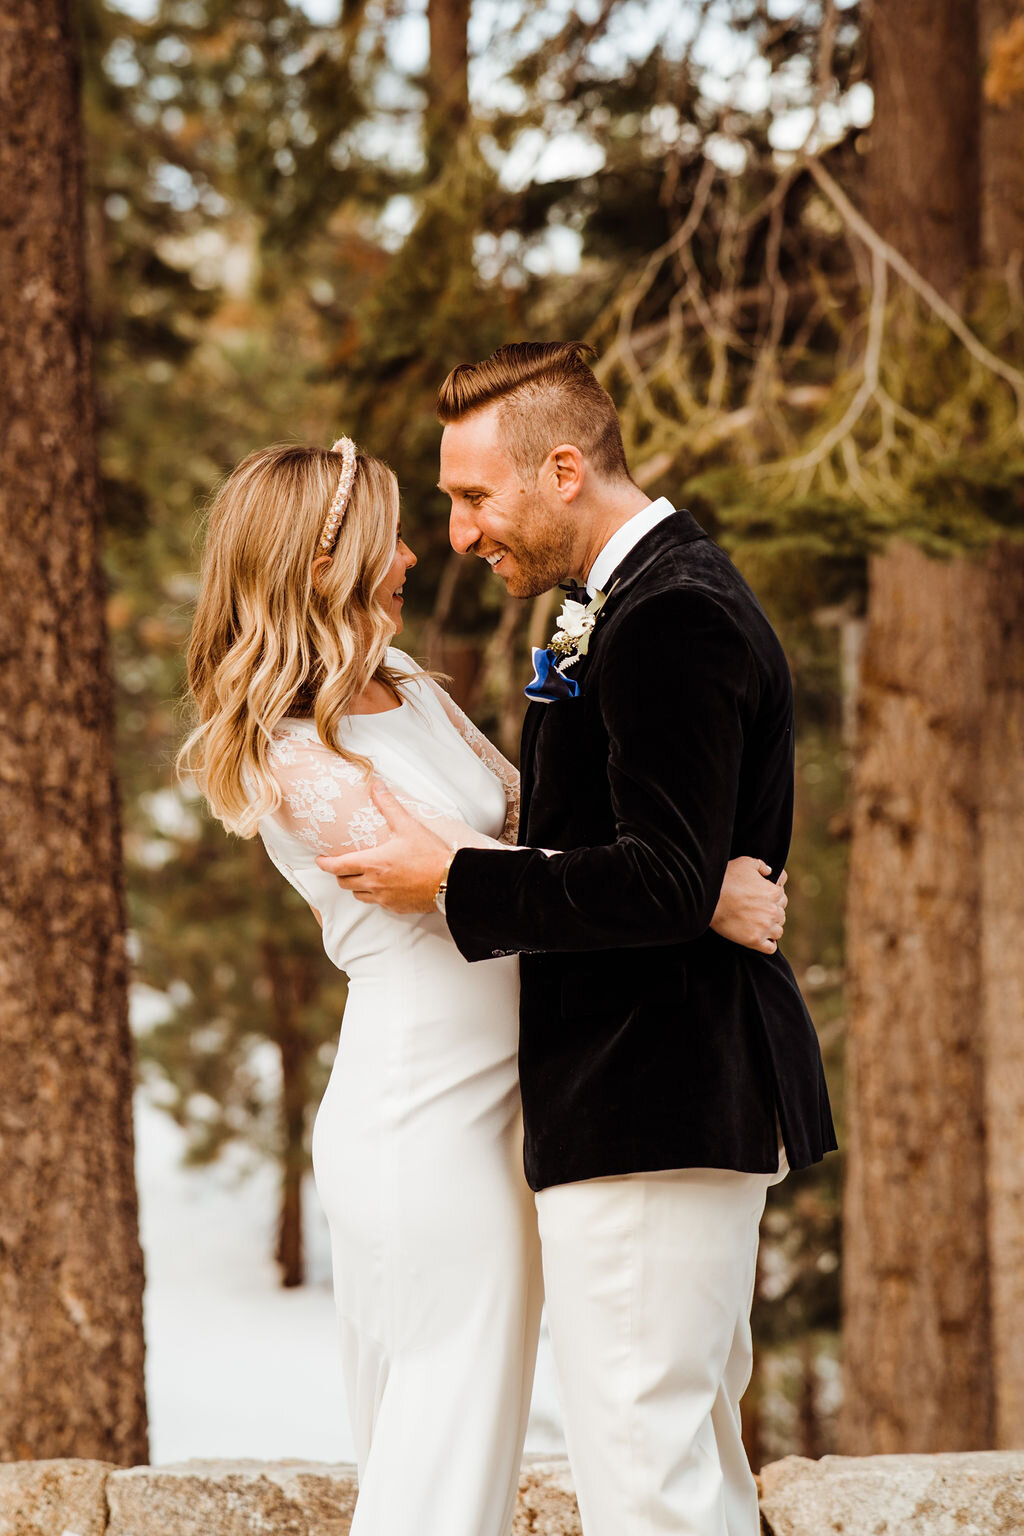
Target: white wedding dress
<point>417,1144</point>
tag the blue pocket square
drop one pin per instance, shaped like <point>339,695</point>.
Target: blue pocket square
<point>548,684</point>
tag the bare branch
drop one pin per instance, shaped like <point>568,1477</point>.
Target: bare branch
<point>873,352</point>
<point>946,313</point>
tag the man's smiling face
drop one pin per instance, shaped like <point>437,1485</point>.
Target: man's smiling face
<point>525,532</point>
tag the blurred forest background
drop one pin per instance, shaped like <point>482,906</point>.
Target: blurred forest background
<point>794,233</point>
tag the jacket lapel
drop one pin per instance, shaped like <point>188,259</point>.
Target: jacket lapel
<point>680,528</point>
<point>527,750</point>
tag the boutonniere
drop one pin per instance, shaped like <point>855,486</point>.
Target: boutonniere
<point>569,642</point>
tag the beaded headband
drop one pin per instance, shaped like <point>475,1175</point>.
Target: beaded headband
<point>347,448</point>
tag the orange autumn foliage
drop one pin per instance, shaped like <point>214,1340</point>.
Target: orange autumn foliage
<point>1004,78</point>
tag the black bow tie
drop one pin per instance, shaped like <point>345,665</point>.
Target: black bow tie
<point>575,592</point>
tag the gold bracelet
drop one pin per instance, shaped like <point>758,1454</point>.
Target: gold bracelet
<point>442,890</point>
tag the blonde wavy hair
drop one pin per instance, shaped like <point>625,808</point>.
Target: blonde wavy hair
<point>266,642</point>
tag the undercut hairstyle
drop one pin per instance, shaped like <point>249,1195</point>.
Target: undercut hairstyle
<point>546,394</point>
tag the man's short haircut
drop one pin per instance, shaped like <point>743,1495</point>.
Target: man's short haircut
<point>547,395</point>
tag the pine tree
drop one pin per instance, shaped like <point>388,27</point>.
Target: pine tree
<point>71,1348</point>
<point>935,1194</point>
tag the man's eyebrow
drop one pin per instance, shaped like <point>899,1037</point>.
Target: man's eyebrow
<point>462,490</point>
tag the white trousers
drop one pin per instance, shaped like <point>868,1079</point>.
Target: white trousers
<point>649,1280</point>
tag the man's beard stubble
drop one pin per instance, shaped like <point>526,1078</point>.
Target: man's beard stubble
<point>543,555</point>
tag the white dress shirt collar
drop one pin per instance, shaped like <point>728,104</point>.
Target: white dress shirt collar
<point>623,540</point>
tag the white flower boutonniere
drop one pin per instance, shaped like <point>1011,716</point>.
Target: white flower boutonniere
<point>575,627</point>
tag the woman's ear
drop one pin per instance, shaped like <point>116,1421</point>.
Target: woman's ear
<point>321,565</point>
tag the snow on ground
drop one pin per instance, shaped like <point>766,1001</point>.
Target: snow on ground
<point>237,1366</point>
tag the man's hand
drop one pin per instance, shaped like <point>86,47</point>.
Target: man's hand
<point>751,909</point>
<point>402,874</point>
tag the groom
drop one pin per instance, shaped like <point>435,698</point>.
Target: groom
<point>667,1075</point>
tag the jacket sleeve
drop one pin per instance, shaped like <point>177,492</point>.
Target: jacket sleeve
<point>677,686</point>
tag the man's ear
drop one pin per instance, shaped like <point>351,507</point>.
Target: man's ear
<point>321,565</point>
<point>566,469</point>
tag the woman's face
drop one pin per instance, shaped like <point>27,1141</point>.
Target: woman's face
<point>389,593</point>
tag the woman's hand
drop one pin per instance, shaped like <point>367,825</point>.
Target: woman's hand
<point>752,908</point>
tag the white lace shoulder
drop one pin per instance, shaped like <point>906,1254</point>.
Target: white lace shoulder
<point>492,759</point>
<point>325,799</point>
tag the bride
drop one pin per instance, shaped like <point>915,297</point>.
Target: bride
<point>417,1145</point>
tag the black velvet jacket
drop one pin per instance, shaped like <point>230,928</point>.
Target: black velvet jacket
<point>646,1041</point>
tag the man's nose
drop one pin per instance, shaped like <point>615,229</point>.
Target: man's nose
<point>462,531</point>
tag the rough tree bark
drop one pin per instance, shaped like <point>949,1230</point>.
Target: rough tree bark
<point>934,1210</point>
<point>1001,776</point>
<point>1002,151</point>
<point>1001,861</point>
<point>934,1245</point>
<point>916,1331</point>
<point>71,1343</point>
<point>916,1338</point>
<point>921,181</point>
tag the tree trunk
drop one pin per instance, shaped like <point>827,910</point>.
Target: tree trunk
<point>290,1250</point>
<point>71,1344</point>
<point>752,1418</point>
<point>1001,863</point>
<point>808,1415</point>
<point>1002,799</point>
<point>922,172</point>
<point>287,997</point>
<point>751,1422</point>
<point>1002,152</point>
<point>934,1208</point>
<point>448,78</point>
<point>916,1327</point>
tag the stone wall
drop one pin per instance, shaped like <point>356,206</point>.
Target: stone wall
<point>229,1498</point>
<point>980,1494</point>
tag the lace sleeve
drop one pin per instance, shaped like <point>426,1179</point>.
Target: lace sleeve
<point>326,803</point>
<point>325,800</point>
<point>487,752</point>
